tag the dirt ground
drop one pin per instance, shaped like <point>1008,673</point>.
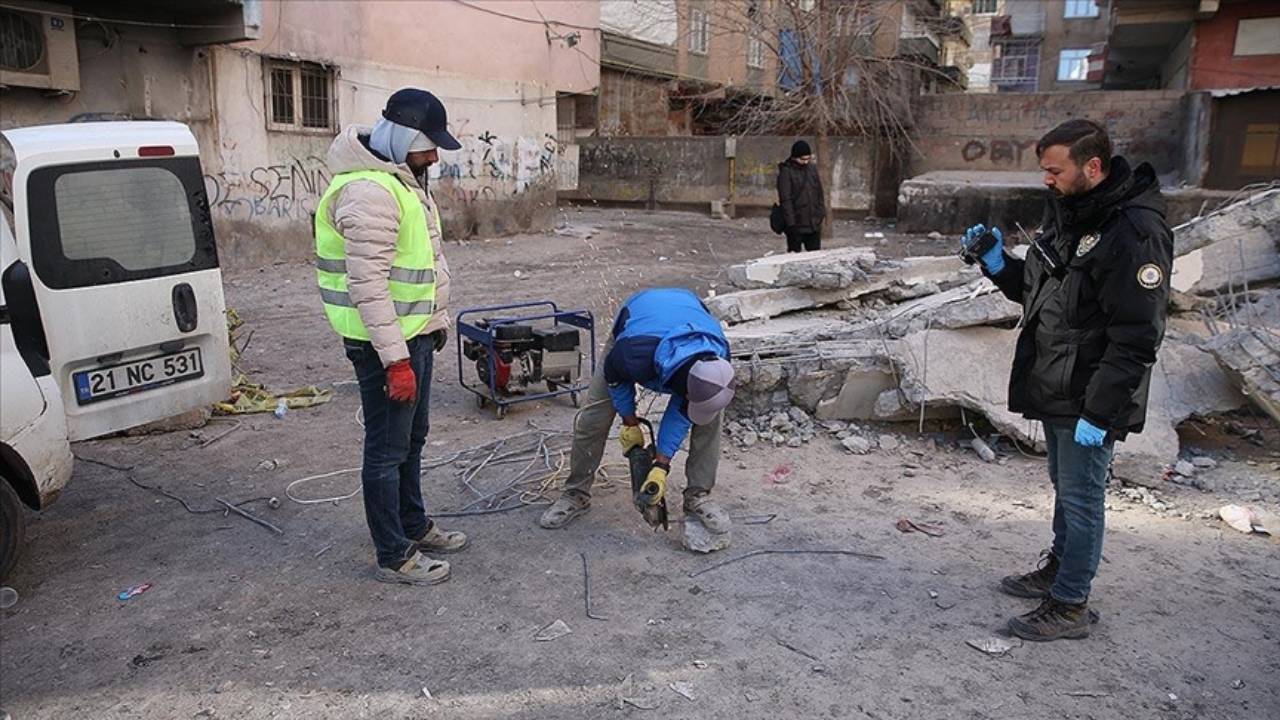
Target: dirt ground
<point>242,623</point>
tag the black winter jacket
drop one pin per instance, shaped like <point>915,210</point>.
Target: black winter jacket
<point>1090,332</point>
<point>801,197</point>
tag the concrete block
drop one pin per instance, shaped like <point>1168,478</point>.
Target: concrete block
<point>1249,256</point>
<point>822,270</point>
<point>1257,211</point>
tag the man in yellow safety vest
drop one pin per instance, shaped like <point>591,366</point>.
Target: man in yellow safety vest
<point>385,285</point>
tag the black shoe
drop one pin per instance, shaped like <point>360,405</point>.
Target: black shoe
<point>1054,620</point>
<point>1036,583</point>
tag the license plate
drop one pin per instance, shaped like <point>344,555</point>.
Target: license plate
<point>138,376</point>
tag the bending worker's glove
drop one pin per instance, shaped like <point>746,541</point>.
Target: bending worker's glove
<point>655,485</point>
<point>402,384</point>
<point>993,259</point>
<point>1088,434</point>
<point>438,339</point>
<point>631,437</point>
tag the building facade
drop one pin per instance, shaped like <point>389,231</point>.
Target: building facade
<point>267,84</point>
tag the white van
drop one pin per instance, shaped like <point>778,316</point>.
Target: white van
<point>112,312</point>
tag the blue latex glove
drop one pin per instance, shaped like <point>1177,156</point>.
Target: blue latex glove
<point>993,259</point>
<point>1089,435</point>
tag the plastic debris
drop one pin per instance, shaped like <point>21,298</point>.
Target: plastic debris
<point>555,630</point>
<point>984,451</point>
<point>683,689</point>
<point>250,397</point>
<point>135,590</point>
<point>1242,518</point>
<point>994,646</point>
<point>8,597</point>
<point>282,408</point>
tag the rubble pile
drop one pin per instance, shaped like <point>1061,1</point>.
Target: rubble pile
<point>843,335</point>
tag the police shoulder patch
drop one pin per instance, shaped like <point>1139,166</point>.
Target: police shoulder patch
<point>1086,244</point>
<point>1150,276</point>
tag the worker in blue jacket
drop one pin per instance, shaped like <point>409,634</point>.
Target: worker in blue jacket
<point>664,340</point>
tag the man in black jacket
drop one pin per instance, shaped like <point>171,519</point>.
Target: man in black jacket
<point>803,202</point>
<point>1093,288</point>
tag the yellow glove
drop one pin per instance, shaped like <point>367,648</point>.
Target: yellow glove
<point>655,485</point>
<point>630,437</point>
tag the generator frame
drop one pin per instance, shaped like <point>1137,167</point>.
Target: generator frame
<point>484,334</point>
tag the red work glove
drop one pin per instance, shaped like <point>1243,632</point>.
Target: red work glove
<point>402,384</point>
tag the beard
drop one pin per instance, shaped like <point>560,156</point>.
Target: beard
<point>1078,186</point>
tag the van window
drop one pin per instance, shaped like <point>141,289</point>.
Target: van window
<point>135,216</point>
<point>109,222</point>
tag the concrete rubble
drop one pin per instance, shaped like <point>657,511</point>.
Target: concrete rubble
<point>822,339</point>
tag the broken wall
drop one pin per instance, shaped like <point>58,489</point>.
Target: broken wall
<point>999,131</point>
<point>675,172</point>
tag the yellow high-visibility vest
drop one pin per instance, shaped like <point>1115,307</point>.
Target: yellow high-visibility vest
<point>413,279</point>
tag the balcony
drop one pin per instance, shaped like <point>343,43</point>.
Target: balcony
<point>958,76</point>
<point>1017,27</point>
<point>920,47</point>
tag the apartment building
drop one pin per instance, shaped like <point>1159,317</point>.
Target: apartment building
<point>266,85</point>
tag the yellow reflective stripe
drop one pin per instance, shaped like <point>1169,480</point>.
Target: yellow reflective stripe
<point>398,274</point>
<point>403,308</point>
<point>409,275</point>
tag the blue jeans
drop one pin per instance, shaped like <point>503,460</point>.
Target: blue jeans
<point>394,433</point>
<point>1079,477</point>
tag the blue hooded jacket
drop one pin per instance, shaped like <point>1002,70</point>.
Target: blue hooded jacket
<point>655,334</point>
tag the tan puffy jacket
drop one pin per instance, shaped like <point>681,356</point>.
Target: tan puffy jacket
<point>369,220</point>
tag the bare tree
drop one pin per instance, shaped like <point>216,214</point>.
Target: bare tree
<point>843,67</point>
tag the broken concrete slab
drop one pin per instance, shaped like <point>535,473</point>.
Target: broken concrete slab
<point>1258,211</point>
<point>765,303</point>
<point>978,303</point>
<point>1251,256</point>
<point>967,368</point>
<point>821,270</point>
<point>1250,358</point>
<point>897,281</point>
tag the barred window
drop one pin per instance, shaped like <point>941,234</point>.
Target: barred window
<point>984,7</point>
<point>300,96</point>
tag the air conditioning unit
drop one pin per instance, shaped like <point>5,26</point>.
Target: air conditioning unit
<point>38,47</point>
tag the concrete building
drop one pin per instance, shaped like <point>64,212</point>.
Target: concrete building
<point>1046,45</point>
<point>1226,55</point>
<point>266,84</point>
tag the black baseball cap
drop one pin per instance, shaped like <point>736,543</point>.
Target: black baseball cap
<point>420,110</point>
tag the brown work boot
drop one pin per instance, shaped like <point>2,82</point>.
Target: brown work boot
<point>436,540</point>
<point>1036,583</point>
<point>1053,620</point>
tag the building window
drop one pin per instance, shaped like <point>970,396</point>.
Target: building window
<point>1073,65</point>
<point>1080,9</point>
<point>698,31</point>
<point>299,96</point>
<point>1016,68</point>
<point>985,7</point>
<point>1261,154</point>
<point>1257,36</point>
<point>755,51</point>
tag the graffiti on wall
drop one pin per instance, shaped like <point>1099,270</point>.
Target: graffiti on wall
<point>486,169</point>
<point>488,164</point>
<point>287,191</point>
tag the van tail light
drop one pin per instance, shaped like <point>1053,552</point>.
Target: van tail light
<point>155,151</point>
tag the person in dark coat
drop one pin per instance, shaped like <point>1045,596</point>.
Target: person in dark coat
<point>1094,288</point>
<point>802,199</point>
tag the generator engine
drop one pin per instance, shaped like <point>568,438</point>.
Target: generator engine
<point>524,356</point>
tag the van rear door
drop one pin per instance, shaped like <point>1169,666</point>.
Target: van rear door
<point>114,221</point>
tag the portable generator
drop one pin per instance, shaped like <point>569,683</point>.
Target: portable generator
<point>512,354</point>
